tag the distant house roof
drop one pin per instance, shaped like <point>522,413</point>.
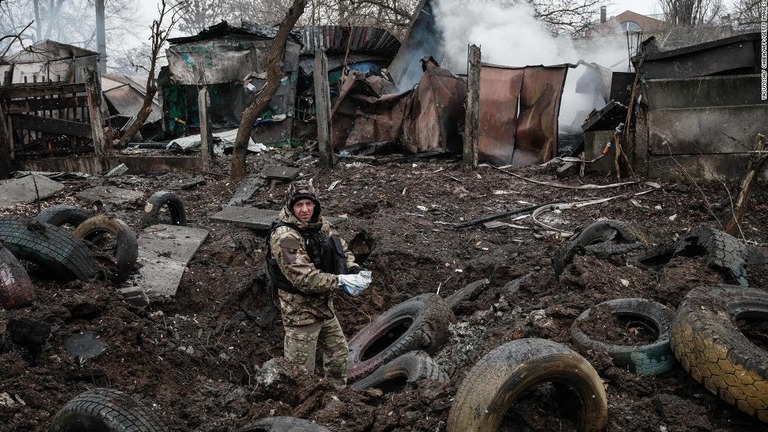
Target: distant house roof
<point>49,61</point>
<point>224,29</point>
<point>629,21</point>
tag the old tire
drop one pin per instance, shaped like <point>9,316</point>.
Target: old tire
<point>710,346</point>
<point>48,245</point>
<point>16,289</point>
<point>105,410</point>
<point>725,253</point>
<point>282,424</point>
<point>155,204</point>
<point>650,359</point>
<point>419,323</point>
<point>501,376</point>
<point>409,367</point>
<point>63,214</point>
<point>126,249</point>
<point>604,230</point>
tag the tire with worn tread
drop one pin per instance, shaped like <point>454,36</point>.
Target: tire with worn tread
<point>650,359</point>
<point>161,199</point>
<point>419,323</point>
<point>63,214</point>
<point>498,379</point>
<point>708,343</point>
<point>105,410</point>
<point>604,230</point>
<point>53,247</point>
<point>725,253</point>
<point>413,366</point>
<point>126,250</point>
<point>282,424</point>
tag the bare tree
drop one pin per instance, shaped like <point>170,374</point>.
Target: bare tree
<point>566,17</point>
<point>68,21</point>
<point>691,12</point>
<point>267,92</point>
<point>200,14</point>
<point>159,37</point>
<point>746,14</point>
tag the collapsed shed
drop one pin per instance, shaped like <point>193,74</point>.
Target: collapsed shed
<point>51,105</point>
<point>231,63</point>
<point>701,108</point>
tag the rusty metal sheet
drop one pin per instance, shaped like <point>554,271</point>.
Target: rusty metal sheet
<point>536,135</point>
<point>518,113</point>
<point>360,116</point>
<point>424,119</point>
<point>497,119</point>
<point>436,113</point>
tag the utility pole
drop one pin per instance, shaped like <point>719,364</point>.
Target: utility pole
<point>101,41</point>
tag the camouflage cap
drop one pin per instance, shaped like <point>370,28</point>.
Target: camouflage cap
<point>299,190</point>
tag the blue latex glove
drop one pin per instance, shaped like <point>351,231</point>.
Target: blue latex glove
<point>354,284</point>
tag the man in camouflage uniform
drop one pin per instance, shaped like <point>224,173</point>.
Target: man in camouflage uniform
<point>307,262</point>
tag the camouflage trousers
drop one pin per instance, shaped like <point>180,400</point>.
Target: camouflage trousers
<point>302,342</point>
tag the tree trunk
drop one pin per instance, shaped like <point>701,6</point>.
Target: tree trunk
<point>274,74</point>
<point>141,116</point>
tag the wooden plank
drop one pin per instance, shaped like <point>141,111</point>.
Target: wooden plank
<point>206,135</point>
<point>323,108</point>
<point>93,91</point>
<point>706,130</point>
<point>709,91</point>
<point>39,90</point>
<point>471,133</point>
<point>708,167</point>
<point>5,147</point>
<point>32,105</point>
<point>51,125</point>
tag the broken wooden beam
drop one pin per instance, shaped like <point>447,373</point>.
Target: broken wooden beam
<point>755,164</point>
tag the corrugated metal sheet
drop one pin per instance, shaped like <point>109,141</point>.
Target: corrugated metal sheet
<point>334,40</point>
<point>518,113</point>
<point>437,112</point>
<point>127,97</point>
<point>424,119</point>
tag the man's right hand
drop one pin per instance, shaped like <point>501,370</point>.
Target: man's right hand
<point>354,284</point>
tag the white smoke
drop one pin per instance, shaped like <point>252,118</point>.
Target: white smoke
<point>508,36</point>
<point>512,36</point>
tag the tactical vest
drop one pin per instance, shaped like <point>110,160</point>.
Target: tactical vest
<point>325,253</point>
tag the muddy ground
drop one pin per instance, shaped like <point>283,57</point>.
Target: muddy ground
<point>202,358</point>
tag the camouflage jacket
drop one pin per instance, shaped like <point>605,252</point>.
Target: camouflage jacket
<point>315,302</point>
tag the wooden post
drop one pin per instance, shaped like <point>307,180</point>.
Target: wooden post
<point>101,39</point>
<point>206,135</point>
<point>323,108</point>
<point>756,162</point>
<point>472,111</point>
<point>93,93</point>
<point>5,146</point>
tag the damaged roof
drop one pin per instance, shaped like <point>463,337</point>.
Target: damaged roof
<point>336,40</point>
<point>126,94</point>
<point>224,29</point>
